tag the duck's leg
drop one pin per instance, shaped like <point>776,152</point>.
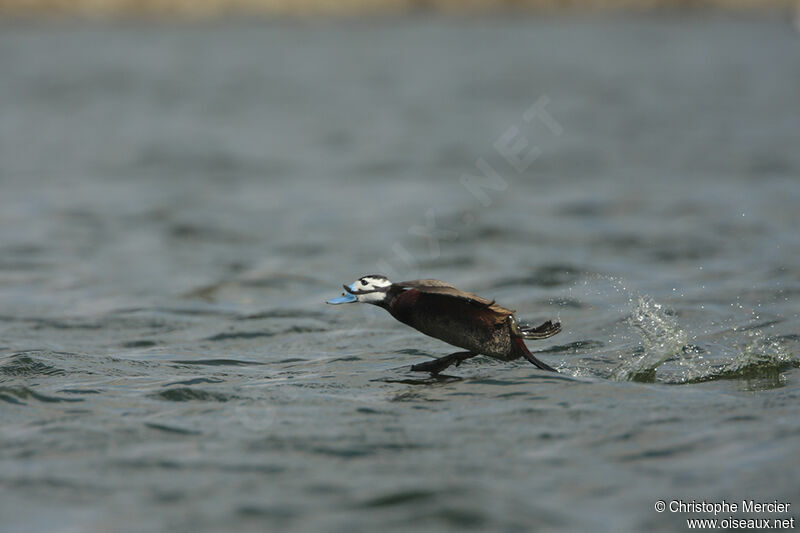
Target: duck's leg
<point>437,365</point>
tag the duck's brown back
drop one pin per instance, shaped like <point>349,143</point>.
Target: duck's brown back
<point>479,328</point>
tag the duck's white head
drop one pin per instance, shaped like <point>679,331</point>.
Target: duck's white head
<point>371,289</point>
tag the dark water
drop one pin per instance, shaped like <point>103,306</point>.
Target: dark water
<point>178,201</point>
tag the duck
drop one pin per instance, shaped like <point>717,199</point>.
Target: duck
<point>440,310</point>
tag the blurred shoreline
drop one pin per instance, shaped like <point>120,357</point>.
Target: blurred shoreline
<point>211,8</point>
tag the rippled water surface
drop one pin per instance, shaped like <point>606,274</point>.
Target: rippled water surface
<point>178,201</point>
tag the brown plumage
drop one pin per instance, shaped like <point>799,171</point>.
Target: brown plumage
<point>440,310</point>
<point>460,318</point>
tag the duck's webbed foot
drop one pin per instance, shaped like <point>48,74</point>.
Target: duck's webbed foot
<point>548,329</point>
<point>440,364</point>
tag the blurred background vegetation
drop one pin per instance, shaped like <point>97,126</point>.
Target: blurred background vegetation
<point>206,8</point>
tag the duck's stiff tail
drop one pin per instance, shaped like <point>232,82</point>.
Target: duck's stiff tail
<point>521,349</point>
<point>548,329</point>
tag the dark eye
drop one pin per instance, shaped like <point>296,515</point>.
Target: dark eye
<point>363,282</point>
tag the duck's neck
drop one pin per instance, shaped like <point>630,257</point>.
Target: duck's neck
<point>388,302</point>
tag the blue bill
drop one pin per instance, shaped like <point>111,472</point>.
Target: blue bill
<point>344,299</point>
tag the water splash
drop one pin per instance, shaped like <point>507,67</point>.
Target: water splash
<point>662,338</point>
<point>652,346</point>
<point>759,363</point>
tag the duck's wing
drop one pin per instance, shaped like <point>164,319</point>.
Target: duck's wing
<point>442,288</point>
